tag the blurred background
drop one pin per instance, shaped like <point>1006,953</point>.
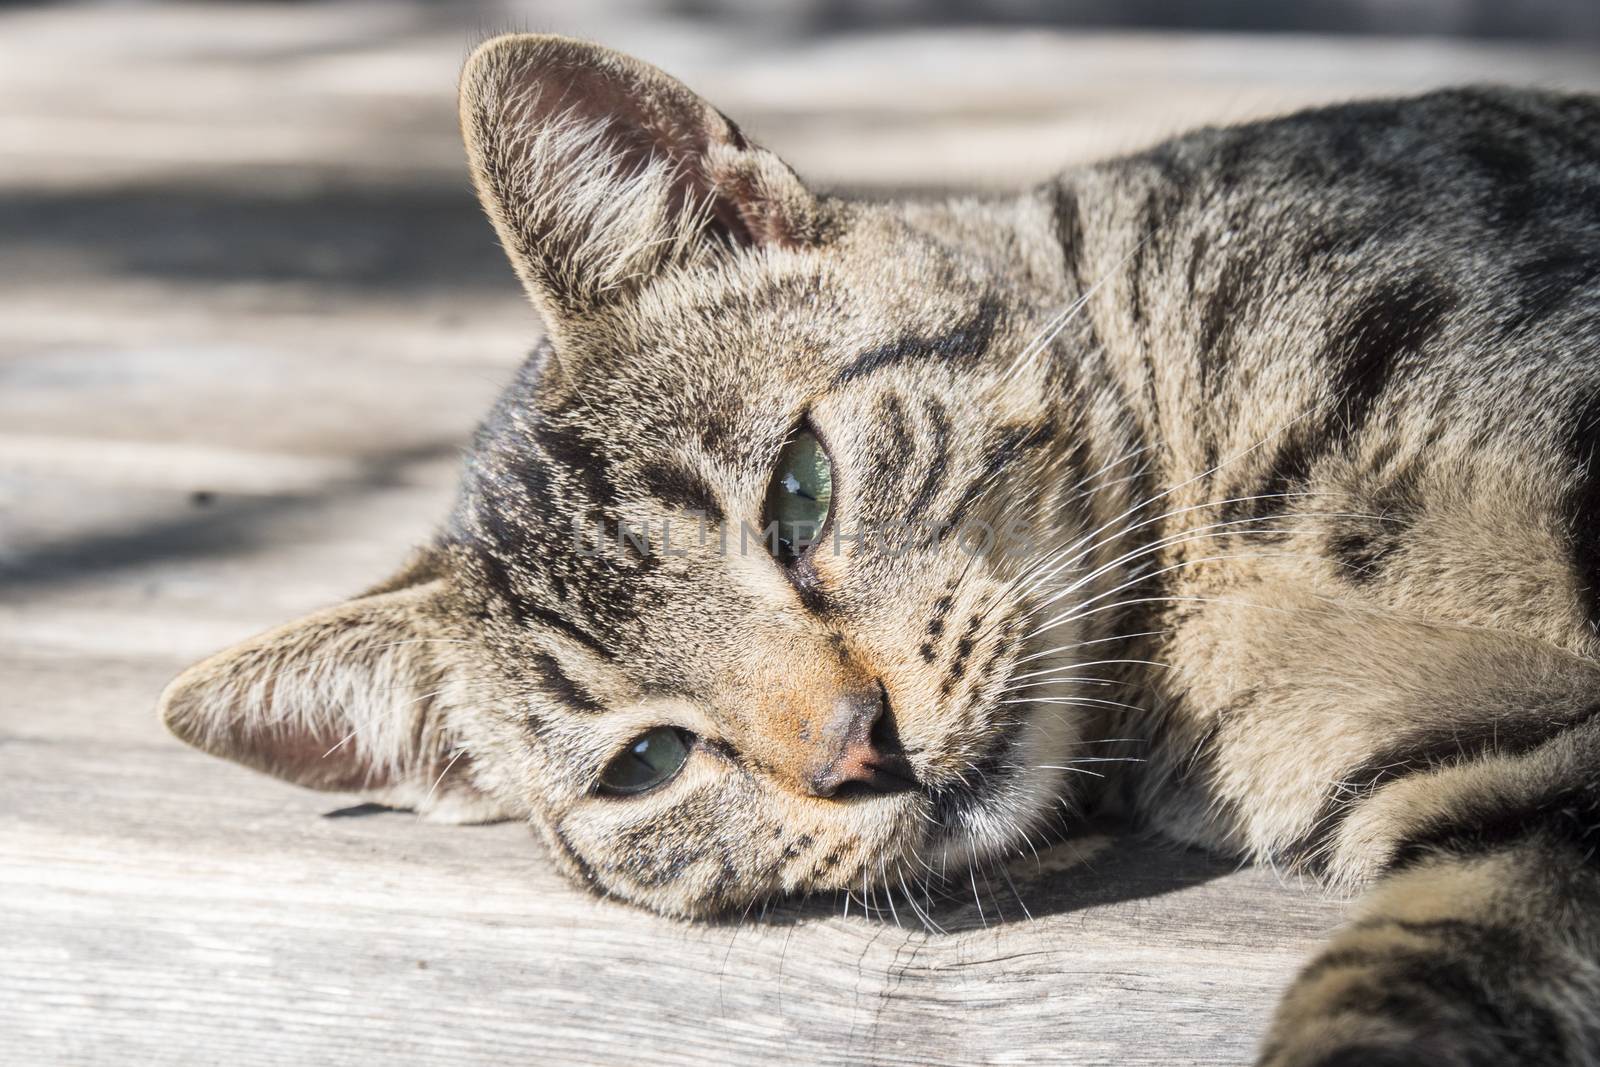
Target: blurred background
<point>249,314</point>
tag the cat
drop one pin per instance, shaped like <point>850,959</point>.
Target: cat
<point>1249,483</point>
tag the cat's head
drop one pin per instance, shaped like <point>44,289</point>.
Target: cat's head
<point>696,708</point>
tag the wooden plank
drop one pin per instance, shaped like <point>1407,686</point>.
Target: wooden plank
<point>181,912</point>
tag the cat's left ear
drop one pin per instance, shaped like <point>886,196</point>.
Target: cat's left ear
<point>358,697</point>
<point>599,171</point>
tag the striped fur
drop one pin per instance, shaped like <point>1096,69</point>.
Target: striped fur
<point>1300,420</point>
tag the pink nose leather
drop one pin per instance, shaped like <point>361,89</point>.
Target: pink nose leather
<point>859,750</point>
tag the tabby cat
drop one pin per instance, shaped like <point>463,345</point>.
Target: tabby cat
<point>823,540</point>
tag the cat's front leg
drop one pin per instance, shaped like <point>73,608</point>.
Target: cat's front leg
<point>1459,957</point>
<point>1455,774</point>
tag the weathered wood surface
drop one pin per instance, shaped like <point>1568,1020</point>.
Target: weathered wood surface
<point>248,314</point>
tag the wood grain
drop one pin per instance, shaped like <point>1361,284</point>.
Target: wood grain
<point>248,315</point>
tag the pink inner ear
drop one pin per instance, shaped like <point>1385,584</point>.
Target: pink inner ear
<point>748,213</point>
<point>320,751</point>
<point>600,171</point>
<point>317,760</point>
<point>647,116</point>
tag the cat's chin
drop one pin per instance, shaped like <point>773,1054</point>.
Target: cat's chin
<point>1013,798</point>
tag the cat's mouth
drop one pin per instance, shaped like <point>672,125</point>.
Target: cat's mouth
<point>965,809</point>
<point>1008,793</point>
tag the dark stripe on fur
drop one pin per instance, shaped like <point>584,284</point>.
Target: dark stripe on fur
<point>581,459</point>
<point>560,685</point>
<point>1069,231</point>
<point>504,550</point>
<point>1220,316</point>
<point>1389,325</point>
<point>958,663</point>
<point>1364,544</point>
<point>585,871</point>
<point>963,344</point>
<point>1013,443</point>
<point>540,616</point>
<point>1286,475</point>
<point>1419,754</point>
<point>902,446</point>
<point>524,612</point>
<point>941,608</point>
<point>498,580</point>
<point>680,486</point>
<point>1568,815</point>
<point>938,462</point>
<point>1434,992</point>
<point>1583,502</point>
<point>808,584</point>
<point>1510,168</point>
<point>1460,985</point>
<point>1160,214</point>
<point>1547,281</point>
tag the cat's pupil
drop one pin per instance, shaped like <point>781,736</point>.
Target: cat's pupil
<point>650,759</point>
<point>799,497</point>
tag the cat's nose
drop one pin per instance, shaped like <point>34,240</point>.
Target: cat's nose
<point>859,750</point>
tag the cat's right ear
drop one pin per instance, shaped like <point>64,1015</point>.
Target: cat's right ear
<point>356,697</point>
<point>599,171</point>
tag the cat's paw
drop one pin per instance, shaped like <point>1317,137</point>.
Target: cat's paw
<point>1338,1046</point>
<point>1445,993</point>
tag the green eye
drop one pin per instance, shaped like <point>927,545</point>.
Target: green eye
<point>798,498</point>
<point>650,759</point>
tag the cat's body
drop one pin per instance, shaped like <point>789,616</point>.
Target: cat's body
<point>1373,332</point>
<point>1296,422</point>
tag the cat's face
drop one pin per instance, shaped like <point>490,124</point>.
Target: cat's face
<point>624,633</point>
